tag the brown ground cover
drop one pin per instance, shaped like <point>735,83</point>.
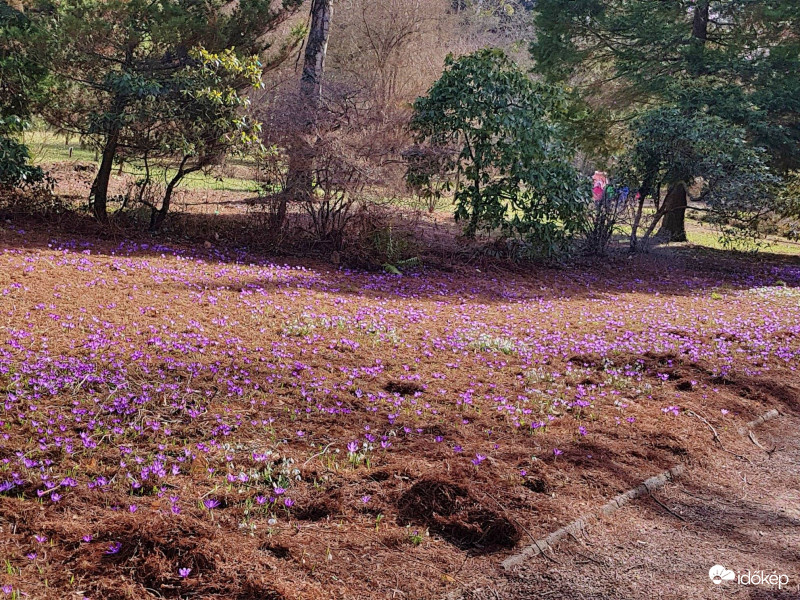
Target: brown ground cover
<point>292,430</point>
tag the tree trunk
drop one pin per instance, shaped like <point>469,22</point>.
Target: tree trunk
<point>700,21</point>
<point>157,217</point>
<point>697,66</point>
<point>99,193</point>
<point>645,189</point>
<point>316,49</point>
<point>637,219</point>
<point>673,227</point>
<point>301,153</point>
<point>299,178</point>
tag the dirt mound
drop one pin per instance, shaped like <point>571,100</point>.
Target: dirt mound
<point>451,511</point>
<point>320,506</point>
<point>685,375</point>
<point>538,485</point>
<point>429,498</point>
<point>648,360</point>
<point>404,388</point>
<point>152,555</point>
<point>276,550</point>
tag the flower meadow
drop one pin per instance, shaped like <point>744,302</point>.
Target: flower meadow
<point>181,422</point>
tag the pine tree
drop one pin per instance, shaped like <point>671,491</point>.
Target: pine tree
<point>739,61</point>
<point>109,58</point>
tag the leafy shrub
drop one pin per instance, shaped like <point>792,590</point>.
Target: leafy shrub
<point>604,218</point>
<point>511,170</point>
<point>14,168</point>
<point>710,162</point>
<point>20,80</point>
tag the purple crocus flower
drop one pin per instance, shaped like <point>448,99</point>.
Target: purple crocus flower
<point>479,458</point>
<point>114,548</point>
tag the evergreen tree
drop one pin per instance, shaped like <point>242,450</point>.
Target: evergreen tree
<point>20,83</point>
<point>739,61</point>
<point>112,58</point>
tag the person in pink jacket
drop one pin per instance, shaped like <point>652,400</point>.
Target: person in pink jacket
<point>600,180</point>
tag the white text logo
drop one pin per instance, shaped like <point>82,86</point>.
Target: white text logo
<point>718,574</point>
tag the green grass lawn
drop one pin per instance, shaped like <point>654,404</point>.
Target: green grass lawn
<point>704,235</point>
<point>47,147</point>
<point>701,234</point>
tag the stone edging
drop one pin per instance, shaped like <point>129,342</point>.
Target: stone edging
<point>577,526</point>
<point>646,487</point>
<point>770,414</point>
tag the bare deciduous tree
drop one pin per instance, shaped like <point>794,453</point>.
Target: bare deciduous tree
<point>301,150</point>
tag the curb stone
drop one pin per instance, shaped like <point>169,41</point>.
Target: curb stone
<point>767,416</point>
<point>647,486</point>
<point>577,526</point>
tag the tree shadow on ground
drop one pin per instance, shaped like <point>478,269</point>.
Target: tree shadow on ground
<point>680,272</point>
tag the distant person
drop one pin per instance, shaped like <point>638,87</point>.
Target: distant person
<point>600,180</point>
